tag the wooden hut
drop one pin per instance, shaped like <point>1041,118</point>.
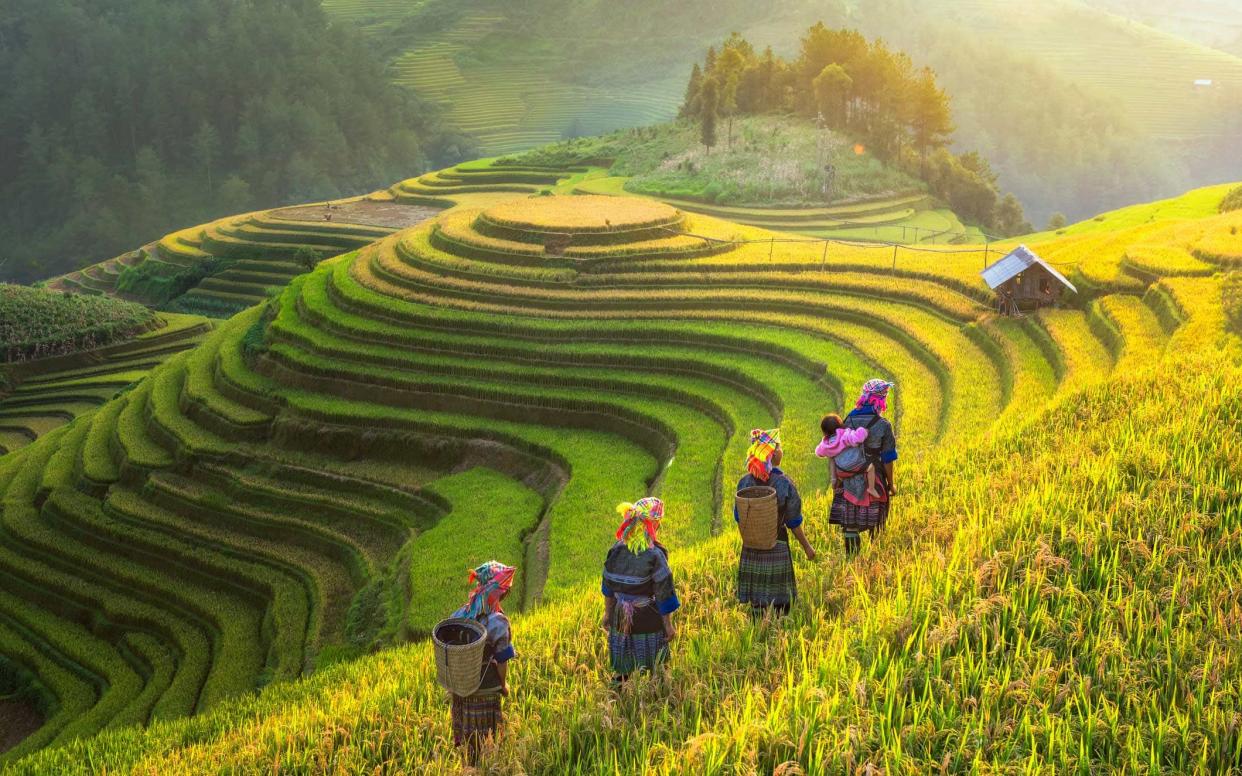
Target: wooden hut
<point>1023,281</point>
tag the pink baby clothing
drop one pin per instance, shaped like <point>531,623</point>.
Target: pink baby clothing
<point>833,446</point>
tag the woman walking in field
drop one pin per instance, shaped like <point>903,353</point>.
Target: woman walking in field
<point>477,718</point>
<point>765,578</point>
<point>854,515</point>
<point>639,597</point>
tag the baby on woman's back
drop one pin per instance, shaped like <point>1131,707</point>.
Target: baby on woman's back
<point>844,446</point>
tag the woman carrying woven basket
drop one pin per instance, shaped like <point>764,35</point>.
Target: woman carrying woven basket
<point>638,592</point>
<point>477,717</point>
<point>765,578</point>
<point>880,446</point>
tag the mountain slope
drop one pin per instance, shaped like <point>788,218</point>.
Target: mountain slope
<point>306,484</point>
<point>1214,23</point>
<point>1110,128</point>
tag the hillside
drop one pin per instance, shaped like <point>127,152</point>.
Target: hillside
<point>773,175</point>
<point>62,355</point>
<point>223,267</point>
<point>310,482</point>
<point>169,114</point>
<point>1214,23</point>
<point>1119,117</point>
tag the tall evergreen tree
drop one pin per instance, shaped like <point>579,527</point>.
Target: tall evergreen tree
<point>832,90</point>
<point>690,104</point>
<point>929,114</point>
<point>709,105</point>
<point>205,145</point>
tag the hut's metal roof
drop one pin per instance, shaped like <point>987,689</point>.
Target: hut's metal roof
<point>1017,262</point>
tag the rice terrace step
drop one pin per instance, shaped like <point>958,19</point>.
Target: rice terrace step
<point>569,283</point>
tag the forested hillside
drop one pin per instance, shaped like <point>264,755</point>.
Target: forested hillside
<point>164,114</point>
<point>1073,123</point>
<point>861,88</point>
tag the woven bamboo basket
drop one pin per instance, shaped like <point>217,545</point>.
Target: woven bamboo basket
<point>459,645</point>
<point>757,517</point>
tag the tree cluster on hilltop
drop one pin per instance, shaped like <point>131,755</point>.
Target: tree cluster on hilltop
<point>121,120</point>
<point>861,88</point>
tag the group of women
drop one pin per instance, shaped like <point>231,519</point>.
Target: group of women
<point>637,585</point>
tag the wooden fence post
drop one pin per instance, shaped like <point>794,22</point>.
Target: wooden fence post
<point>894,258</point>
<point>824,260</point>
<point>771,250</point>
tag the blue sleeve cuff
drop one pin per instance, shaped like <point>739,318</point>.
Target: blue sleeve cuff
<point>505,655</point>
<point>735,517</point>
<point>669,605</point>
<point>794,523</point>
<point>888,456</point>
<point>603,588</point>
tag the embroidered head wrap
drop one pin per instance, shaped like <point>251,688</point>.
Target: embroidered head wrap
<point>875,395</point>
<point>491,580</point>
<point>639,523</point>
<point>763,445</point>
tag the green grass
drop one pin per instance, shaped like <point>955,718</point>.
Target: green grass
<point>771,162</point>
<point>501,513</point>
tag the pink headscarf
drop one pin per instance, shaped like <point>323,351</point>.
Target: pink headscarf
<point>875,395</point>
<point>492,580</point>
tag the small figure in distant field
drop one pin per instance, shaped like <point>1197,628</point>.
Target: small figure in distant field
<point>478,717</point>
<point>639,596</point>
<point>880,448</point>
<point>765,578</point>
<point>843,447</point>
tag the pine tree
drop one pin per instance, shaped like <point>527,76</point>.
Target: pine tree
<point>832,91</point>
<point>929,115</point>
<point>729,67</point>
<point>709,106</point>
<point>690,105</point>
<point>205,145</point>
<point>1010,219</point>
<point>767,97</point>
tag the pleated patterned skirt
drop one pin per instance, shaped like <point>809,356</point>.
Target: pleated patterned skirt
<point>475,718</point>
<point>766,577</point>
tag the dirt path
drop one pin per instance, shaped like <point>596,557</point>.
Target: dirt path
<point>18,719</point>
<point>364,212</point>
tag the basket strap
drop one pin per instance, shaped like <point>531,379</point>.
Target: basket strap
<point>488,655</point>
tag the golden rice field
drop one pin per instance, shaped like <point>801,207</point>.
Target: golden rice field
<point>232,567</point>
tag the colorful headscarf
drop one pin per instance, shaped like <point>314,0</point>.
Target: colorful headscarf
<point>639,523</point>
<point>759,457</point>
<point>491,580</point>
<point>875,395</point>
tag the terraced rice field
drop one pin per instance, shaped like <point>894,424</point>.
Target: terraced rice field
<point>370,13</point>
<point>265,250</point>
<point>49,393</point>
<point>456,391</point>
<point>909,219</point>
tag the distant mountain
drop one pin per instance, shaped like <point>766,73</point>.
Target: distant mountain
<point>1073,122</point>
